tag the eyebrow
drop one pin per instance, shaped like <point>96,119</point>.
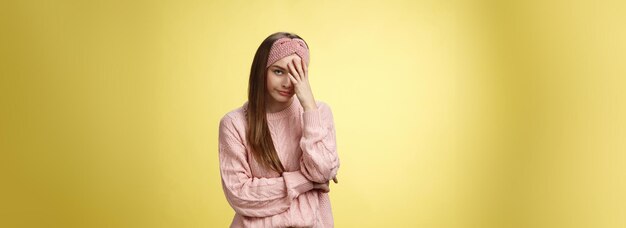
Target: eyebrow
<point>279,67</point>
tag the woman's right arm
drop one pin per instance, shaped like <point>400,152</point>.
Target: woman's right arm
<point>248,195</point>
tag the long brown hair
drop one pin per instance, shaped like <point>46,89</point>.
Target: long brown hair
<point>258,133</point>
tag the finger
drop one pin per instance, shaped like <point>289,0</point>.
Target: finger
<point>298,65</point>
<point>305,69</point>
<point>320,187</point>
<point>293,71</point>
<point>293,79</point>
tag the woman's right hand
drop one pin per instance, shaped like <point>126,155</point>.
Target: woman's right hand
<point>321,186</point>
<point>324,187</point>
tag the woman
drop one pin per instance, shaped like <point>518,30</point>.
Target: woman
<point>278,153</point>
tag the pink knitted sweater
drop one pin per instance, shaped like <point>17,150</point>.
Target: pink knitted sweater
<point>305,143</point>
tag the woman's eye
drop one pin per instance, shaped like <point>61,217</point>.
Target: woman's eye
<point>278,72</point>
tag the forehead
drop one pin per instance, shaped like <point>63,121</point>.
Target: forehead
<point>283,62</point>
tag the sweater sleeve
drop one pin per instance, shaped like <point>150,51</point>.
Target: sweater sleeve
<point>319,162</point>
<point>248,195</point>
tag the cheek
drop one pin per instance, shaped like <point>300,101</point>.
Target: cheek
<point>271,81</point>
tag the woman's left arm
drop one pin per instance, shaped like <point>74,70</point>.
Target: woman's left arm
<point>319,162</point>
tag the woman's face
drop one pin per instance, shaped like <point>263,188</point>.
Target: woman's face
<point>279,85</point>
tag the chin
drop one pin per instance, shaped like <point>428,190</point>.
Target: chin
<point>282,99</point>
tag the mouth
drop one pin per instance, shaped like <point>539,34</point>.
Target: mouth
<point>286,94</point>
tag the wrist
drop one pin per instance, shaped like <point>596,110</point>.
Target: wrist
<point>310,107</point>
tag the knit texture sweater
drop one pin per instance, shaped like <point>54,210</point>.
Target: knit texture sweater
<point>261,197</point>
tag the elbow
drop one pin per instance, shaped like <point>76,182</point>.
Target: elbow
<point>319,168</point>
<point>320,173</point>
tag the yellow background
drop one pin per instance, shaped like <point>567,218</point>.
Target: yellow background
<point>448,113</point>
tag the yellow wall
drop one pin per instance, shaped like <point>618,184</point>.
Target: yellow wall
<point>448,113</point>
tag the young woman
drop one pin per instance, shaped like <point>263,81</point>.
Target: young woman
<point>277,151</point>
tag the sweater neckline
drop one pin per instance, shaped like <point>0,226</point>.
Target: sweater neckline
<point>288,111</point>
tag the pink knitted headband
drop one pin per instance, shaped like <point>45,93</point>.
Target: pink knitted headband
<point>286,46</point>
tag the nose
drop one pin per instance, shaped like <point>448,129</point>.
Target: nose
<point>286,83</point>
